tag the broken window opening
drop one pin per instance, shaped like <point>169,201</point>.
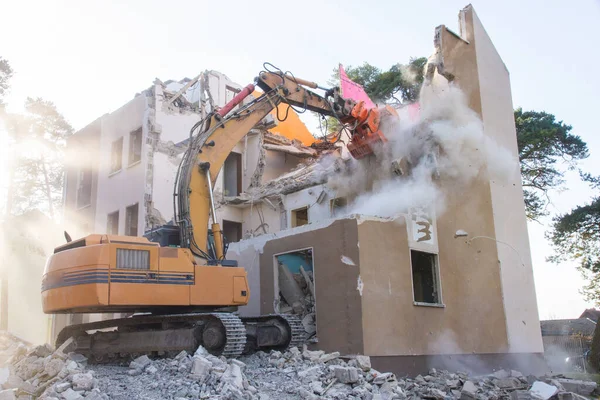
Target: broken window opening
<point>84,187</point>
<point>112,224</point>
<point>232,231</point>
<point>425,277</point>
<point>338,206</point>
<point>135,146</point>
<point>299,217</point>
<point>232,175</point>
<point>116,156</point>
<point>131,220</point>
<point>295,288</point>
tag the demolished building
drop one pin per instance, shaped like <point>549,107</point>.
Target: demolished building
<point>413,291</point>
<point>419,290</point>
<point>121,167</point>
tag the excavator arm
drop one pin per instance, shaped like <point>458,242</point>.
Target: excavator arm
<point>219,134</point>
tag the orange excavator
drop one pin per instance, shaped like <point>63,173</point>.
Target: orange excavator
<point>179,286</point>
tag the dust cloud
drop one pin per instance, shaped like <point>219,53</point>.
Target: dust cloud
<point>445,143</point>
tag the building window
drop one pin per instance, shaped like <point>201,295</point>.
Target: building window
<point>131,220</point>
<point>338,206</point>
<point>112,225</point>
<point>425,277</point>
<point>232,175</point>
<point>232,231</point>
<point>116,156</point>
<point>84,187</point>
<point>135,146</point>
<point>299,217</point>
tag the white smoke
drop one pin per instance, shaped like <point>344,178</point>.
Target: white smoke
<point>445,145</point>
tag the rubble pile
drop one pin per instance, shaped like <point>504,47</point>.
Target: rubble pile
<point>9,345</point>
<point>297,296</point>
<point>295,374</point>
<point>32,373</point>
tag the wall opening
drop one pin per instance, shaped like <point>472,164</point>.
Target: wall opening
<point>232,231</point>
<point>84,187</point>
<point>135,146</point>
<point>299,217</point>
<point>425,277</point>
<point>295,288</point>
<point>337,206</point>
<point>112,223</point>
<point>116,156</point>
<point>131,220</point>
<point>232,175</point>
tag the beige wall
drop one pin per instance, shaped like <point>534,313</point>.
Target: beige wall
<point>480,72</point>
<point>472,319</point>
<point>507,199</point>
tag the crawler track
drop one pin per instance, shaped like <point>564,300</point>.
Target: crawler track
<point>221,333</point>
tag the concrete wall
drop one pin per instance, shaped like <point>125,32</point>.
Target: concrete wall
<point>507,199</point>
<point>481,74</point>
<point>279,163</point>
<point>308,198</point>
<point>81,152</point>
<point>471,319</point>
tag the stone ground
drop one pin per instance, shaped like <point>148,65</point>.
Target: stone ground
<point>45,373</point>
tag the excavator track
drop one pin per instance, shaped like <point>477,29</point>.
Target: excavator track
<point>221,333</point>
<point>273,332</point>
<point>297,330</point>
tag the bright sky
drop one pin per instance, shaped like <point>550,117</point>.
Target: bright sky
<point>91,57</point>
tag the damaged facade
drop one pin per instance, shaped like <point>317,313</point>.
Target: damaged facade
<point>410,292</point>
<point>122,166</point>
<point>419,290</point>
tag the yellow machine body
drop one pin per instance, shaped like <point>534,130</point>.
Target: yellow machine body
<point>107,273</point>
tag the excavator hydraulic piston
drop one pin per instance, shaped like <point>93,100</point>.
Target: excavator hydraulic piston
<point>247,91</point>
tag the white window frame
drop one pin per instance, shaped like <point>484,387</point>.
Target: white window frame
<point>438,281</point>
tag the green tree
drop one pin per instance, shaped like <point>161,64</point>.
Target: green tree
<point>398,85</point>
<point>545,145</point>
<point>6,74</point>
<point>576,235</point>
<point>37,140</point>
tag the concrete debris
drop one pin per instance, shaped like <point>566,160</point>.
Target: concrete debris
<point>295,374</point>
<point>584,388</point>
<point>364,362</point>
<point>293,150</point>
<point>11,347</point>
<point>297,296</point>
<point>288,287</point>
<point>8,394</point>
<point>542,391</point>
<point>346,374</point>
<point>570,396</point>
<point>140,363</point>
